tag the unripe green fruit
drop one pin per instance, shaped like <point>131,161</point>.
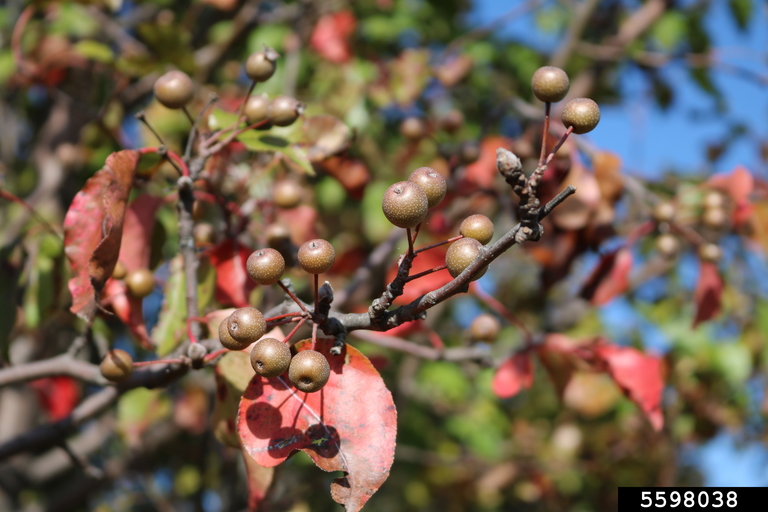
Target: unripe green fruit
<point>309,371</point>
<point>461,254</point>
<point>550,84</point>
<point>432,182</point>
<point>405,204</point>
<point>140,283</point>
<point>174,89</point>
<point>664,212</point>
<point>265,266</point>
<point>246,325</point>
<point>226,339</point>
<point>478,227</point>
<point>287,193</point>
<point>256,108</point>
<point>270,357</point>
<point>413,128</point>
<point>117,365</point>
<point>710,253</point>
<point>284,110</point>
<point>260,66</point>
<point>582,114</point>
<point>668,245</point>
<point>485,328</point>
<point>316,256</point>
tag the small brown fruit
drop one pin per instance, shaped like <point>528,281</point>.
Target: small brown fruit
<point>256,107</point>
<point>287,193</point>
<point>668,245</point>
<point>265,266</point>
<point>550,84</point>
<point>246,325</point>
<point>715,218</point>
<point>477,226</point>
<point>174,89</point>
<point>117,365</point>
<point>284,110</point>
<point>710,253</point>
<point>260,66</point>
<point>485,328</point>
<point>432,182</point>
<point>120,270</point>
<point>413,128</point>
<point>309,371</point>
<point>582,114</point>
<point>452,121</point>
<point>226,339</point>
<point>664,212</point>
<point>270,357</point>
<point>405,204</point>
<point>140,283</point>
<point>316,256</point>
<point>461,254</point>
<point>713,199</point>
<point>204,234</point>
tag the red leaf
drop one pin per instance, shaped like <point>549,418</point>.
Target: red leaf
<point>128,309</point>
<point>349,425</point>
<point>233,286</point>
<point>424,261</point>
<point>300,221</point>
<point>738,184</point>
<point>482,172</point>
<point>514,374</point>
<point>610,278</point>
<point>137,229</point>
<point>709,291</point>
<point>639,377</point>
<point>57,395</point>
<point>331,36</point>
<point>93,230</point>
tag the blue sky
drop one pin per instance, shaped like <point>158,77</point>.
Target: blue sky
<point>651,142</point>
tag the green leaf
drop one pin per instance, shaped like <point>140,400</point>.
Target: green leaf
<point>206,283</point>
<point>94,50</point>
<point>233,373</point>
<point>734,362</point>
<point>170,330</point>
<point>141,407</point>
<point>741,10</point>
<point>669,30</point>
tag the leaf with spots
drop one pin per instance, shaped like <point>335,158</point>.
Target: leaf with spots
<point>93,230</point>
<point>348,426</point>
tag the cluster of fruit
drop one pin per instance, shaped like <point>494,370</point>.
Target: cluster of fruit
<point>139,283</point>
<point>713,216</point>
<point>175,90</point>
<point>550,85</point>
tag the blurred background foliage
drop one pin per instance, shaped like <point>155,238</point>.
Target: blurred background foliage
<point>76,74</point>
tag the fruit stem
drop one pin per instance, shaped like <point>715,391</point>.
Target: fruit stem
<point>545,133</point>
<point>314,336</point>
<point>292,296</point>
<point>143,118</point>
<point>189,116</point>
<point>280,317</point>
<point>213,355</point>
<point>317,296</point>
<point>293,331</point>
<point>195,125</point>
<point>157,361</point>
<point>425,273</point>
<point>438,244</point>
<point>245,100</point>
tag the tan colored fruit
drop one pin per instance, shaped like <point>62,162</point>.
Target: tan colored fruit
<point>710,253</point>
<point>246,325</point>
<point>117,365</point>
<point>309,371</point>
<point>174,89</point>
<point>668,245</point>
<point>715,218</point>
<point>270,357</point>
<point>413,128</point>
<point>405,204</point>
<point>256,108</point>
<point>265,266</point>
<point>713,199</point>
<point>664,212</point>
<point>260,66</point>
<point>287,193</point>
<point>485,328</point>
<point>140,283</point>
<point>461,254</point>
<point>120,270</point>
<point>550,84</point>
<point>477,226</point>
<point>284,110</point>
<point>432,182</point>
<point>582,114</point>
<point>226,339</point>
<point>316,256</point>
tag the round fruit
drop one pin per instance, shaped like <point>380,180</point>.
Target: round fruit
<point>277,235</point>
<point>710,253</point>
<point>452,121</point>
<point>664,212</point>
<point>714,218</point>
<point>478,227</point>
<point>287,193</point>
<point>485,327</point>
<point>469,152</point>
<point>413,128</point>
<point>713,199</point>
<point>265,266</point>
<point>256,107</point>
<point>117,365</point>
<point>582,114</point>
<point>309,371</point>
<point>405,204</point>
<point>174,89</point>
<point>246,325</point>
<point>432,182</point>
<point>316,256</point>
<point>260,66</point>
<point>461,254</point>
<point>284,110</point>
<point>668,245</point>
<point>140,283</point>
<point>204,234</point>
<point>550,84</point>
<point>226,339</point>
<point>120,271</point>
<point>270,357</point>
